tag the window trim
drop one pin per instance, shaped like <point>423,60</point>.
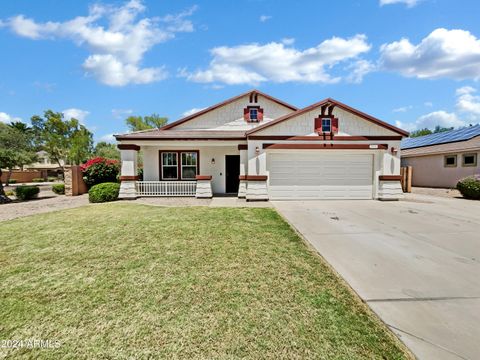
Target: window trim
<point>162,165</point>
<point>329,124</point>
<point>259,110</point>
<point>179,164</point>
<point>182,166</point>
<point>445,161</point>
<point>475,157</point>
<point>250,109</point>
<point>319,120</point>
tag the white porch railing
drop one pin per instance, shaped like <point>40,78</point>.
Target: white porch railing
<point>166,188</point>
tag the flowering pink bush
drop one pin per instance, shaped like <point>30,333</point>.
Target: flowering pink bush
<point>99,170</point>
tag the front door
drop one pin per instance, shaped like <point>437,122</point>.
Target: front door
<point>232,173</point>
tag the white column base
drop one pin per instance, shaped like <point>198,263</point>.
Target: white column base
<point>128,190</point>
<point>204,189</point>
<point>389,190</point>
<point>242,189</point>
<point>257,190</point>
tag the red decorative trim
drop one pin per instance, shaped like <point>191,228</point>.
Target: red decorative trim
<point>128,147</point>
<point>204,177</point>
<point>330,102</point>
<point>390,177</point>
<point>326,146</point>
<point>226,102</point>
<point>242,177</point>
<point>128,178</point>
<point>322,137</point>
<point>246,114</point>
<point>318,125</point>
<point>179,163</point>
<point>256,177</point>
<point>243,147</point>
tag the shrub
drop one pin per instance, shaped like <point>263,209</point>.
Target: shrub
<point>58,189</point>
<point>103,192</point>
<point>12,181</point>
<point>51,179</point>
<point>38,180</point>
<point>469,187</point>
<point>9,193</point>
<point>100,170</point>
<point>26,192</point>
<point>140,174</point>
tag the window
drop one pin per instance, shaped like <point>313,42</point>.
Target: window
<point>450,161</point>
<point>189,165</point>
<point>326,125</point>
<point>169,165</point>
<point>469,160</point>
<point>253,114</point>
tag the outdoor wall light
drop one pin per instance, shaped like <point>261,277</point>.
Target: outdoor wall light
<point>213,161</point>
<point>257,150</point>
<point>394,150</point>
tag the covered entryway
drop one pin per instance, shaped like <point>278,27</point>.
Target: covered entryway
<point>316,174</point>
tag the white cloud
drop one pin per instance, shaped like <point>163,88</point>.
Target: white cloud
<point>468,103</point>
<point>402,109</point>
<point>118,47</point>
<point>359,69</point>
<point>428,103</point>
<point>74,113</point>
<point>109,138</point>
<point>121,113</point>
<point>256,63</point>
<point>442,54</point>
<point>264,18</point>
<point>7,118</point>
<point>468,112</point>
<point>192,111</point>
<point>409,3</point>
<point>288,41</point>
<point>111,71</point>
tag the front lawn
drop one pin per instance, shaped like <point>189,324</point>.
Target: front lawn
<point>130,281</point>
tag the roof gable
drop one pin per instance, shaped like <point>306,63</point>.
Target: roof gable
<point>249,94</point>
<point>336,104</point>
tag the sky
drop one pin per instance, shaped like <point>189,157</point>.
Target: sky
<point>412,63</point>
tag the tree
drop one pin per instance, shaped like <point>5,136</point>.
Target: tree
<point>426,131</point>
<point>138,123</point>
<point>106,150</point>
<point>63,140</point>
<point>16,150</point>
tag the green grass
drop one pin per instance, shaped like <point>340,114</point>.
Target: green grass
<point>131,281</point>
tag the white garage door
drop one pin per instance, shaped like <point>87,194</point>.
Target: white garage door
<point>319,175</point>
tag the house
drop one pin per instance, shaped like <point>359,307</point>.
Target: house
<point>45,165</point>
<point>440,160</point>
<point>258,147</point>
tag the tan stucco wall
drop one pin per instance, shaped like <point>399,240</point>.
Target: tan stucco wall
<point>429,171</point>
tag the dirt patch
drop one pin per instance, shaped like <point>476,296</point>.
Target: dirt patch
<point>447,193</point>
<point>47,201</point>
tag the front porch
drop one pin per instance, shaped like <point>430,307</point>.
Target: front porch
<point>183,170</point>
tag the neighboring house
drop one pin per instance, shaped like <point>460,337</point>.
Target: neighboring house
<point>440,160</point>
<point>45,165</point>
<point>260,148</point>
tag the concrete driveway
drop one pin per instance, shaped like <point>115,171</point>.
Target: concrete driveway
<point>416,262</point>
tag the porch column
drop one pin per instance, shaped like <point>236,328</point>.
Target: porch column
<point>128,174</point>
<point>242,187</point>
<point>257,172</point>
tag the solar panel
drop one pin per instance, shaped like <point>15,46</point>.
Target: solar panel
<point>462,134</point>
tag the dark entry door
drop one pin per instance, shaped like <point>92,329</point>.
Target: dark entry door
<point>232,172</point>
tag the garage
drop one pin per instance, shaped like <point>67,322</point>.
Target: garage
<point>319,175</point>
